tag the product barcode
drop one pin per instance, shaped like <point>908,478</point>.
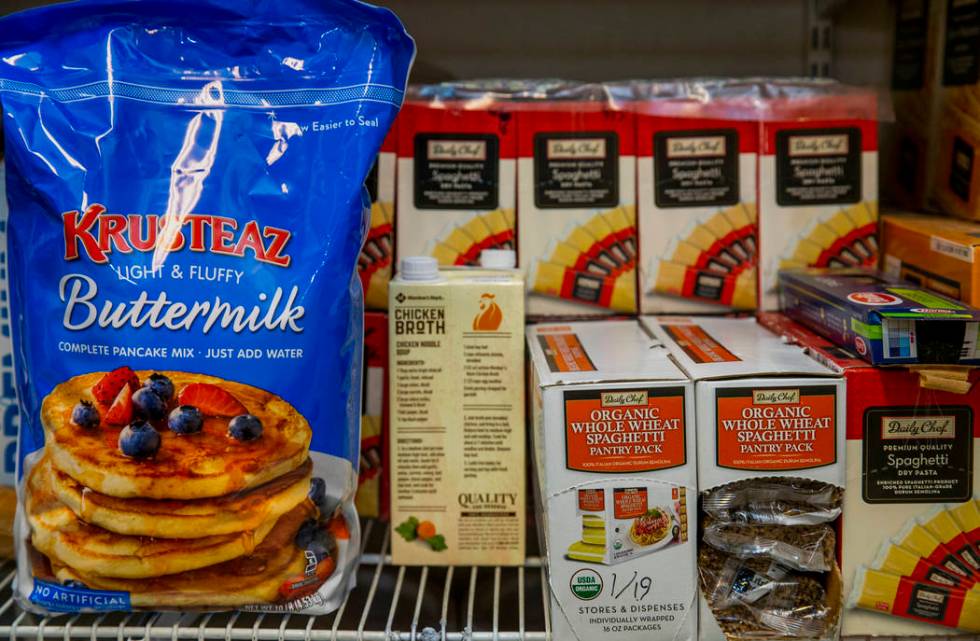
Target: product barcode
<point>898,338</point>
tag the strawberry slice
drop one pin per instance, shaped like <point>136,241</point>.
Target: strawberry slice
<point>121,410</point>
<point>211,400</point>
<point>107,389</point>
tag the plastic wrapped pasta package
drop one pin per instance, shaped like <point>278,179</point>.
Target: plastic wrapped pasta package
<point>808,548</point>
<point>756,598</point>
<point>187,319</point>
<point>771,501</point>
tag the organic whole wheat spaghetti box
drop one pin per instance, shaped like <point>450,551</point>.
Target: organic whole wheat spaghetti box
<point>911,535</point>
<point>696,193</point>
<point>456,176</point>
<point>818,182</point>
<point>576,199</point>
<point>770,473</point>
<point>614,459</point>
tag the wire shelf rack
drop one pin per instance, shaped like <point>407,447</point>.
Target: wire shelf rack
<point>390,603</point>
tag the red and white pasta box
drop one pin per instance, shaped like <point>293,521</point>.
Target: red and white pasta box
<point>818,183</point>
<point>696,193</point>
<point>614,450</point>
<point>576,207</point>
<point>911,506</point>
<point>372,489</point>
<point>374,265</point>
<point>456,179</point>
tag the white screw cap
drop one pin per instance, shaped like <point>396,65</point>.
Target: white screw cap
<point>420,268</point>
<point>498,259</point>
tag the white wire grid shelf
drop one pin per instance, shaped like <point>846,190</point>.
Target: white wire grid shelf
<point>390,603</point>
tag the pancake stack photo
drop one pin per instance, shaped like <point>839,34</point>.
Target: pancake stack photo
<point>180,489</point>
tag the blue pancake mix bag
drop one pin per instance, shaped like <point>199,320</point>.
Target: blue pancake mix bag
<point>185,181</point>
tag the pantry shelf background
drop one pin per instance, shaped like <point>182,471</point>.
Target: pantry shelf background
<point>616,39</point>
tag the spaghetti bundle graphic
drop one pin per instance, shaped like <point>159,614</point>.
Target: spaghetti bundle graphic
<point>374,263</point>
<point>846,239</point>
<point>713,260</point>
<point>929,571</point>
<point>462,244</point>
<point>594,262</point>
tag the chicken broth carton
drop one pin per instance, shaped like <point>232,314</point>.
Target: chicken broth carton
<point>576,200</point>
<point>613,442</point>
<point>911,535</point>
<point>770,475</point>
<point>457,440</point>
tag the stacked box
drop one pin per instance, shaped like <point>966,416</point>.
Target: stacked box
<point>938,253</point>
<point>955,190</point>
<point>456,179</point>
<point>374,265</point>
<point>884,320</point>
<point>372,490</point>
<point>577,207</point>
<point>909,161</point>
<point>613,441</point>
<point>771,425</point>
<point>696,190</point>
<point>911,540</point>
<point>818,183</point>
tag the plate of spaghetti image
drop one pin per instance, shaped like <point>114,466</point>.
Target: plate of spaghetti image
<point>652,528</point>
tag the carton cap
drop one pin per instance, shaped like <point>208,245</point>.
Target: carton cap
<point>420,268</point>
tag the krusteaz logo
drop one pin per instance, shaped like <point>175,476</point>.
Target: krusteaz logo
<point>586,584</point>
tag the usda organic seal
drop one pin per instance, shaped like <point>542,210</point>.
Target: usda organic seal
<point>586,584</point>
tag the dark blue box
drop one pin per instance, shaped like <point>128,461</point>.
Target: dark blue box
<point>885,320</point>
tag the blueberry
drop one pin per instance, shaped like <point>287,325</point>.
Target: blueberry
<point>160,384</point>
<point>322,545</point>
<point>307,531</point>
<point>148,404</point>
<point>318,490</point>
<point>139,440</point>
<point>245,427</point>
<point>186,419</point>
<point>85,415</point>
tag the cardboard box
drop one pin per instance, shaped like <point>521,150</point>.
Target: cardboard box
<point>771,424</point>
<point>374,265</point>
<point>456,179</point>
<point>909,147</point>
<point>372,489</point>
<point>911,461</point>
<point>577,207</point>
<point>957,136</point>
<point>696,190</point>
<point>457,438</point>
<point>818,183</point>
<point>886,321</point>
<point>614,459</point>
<point>938,253</point>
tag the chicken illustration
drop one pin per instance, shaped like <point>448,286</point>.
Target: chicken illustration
<point>490,316</point>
